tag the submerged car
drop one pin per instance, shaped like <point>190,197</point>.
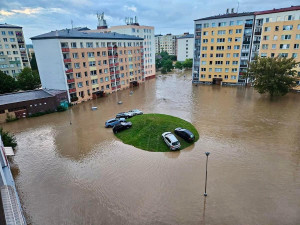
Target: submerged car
<point>185,134</point>
<point>113,122</point>
<point>171,141</point>
<point>121,126</point>
<point>124,115</point>
<point>136,112</point>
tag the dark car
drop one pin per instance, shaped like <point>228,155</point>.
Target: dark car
<point>185,134</point>
<point>121,126</point>
<point>124,115</point>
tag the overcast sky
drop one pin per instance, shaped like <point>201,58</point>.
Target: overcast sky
<point>167,16</point>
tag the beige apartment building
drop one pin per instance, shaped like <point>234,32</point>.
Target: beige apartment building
<point>225,44</point>
<point>133,28</point>
<point>13,54</point>
<point>88,65</point>
<point>166,43</point>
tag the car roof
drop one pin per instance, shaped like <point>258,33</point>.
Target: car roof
<point>111,120</point>
<point>171,137</point>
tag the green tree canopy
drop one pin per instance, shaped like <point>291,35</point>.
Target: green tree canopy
<point>168,65</point>
<point>7,83</point>
<point>33,63</point>
<point>188,63</point>
<point>8,139</point>
<point>273,75</point>
<point>28,79</point>
<point>178,65</point>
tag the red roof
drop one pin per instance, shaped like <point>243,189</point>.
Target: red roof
<point>292,8</point>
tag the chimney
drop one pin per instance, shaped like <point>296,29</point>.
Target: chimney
<point>232,10</point>
<point>227,11</point>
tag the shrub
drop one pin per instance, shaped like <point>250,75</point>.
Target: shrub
<point>8,139</point>
<point>60,108</point>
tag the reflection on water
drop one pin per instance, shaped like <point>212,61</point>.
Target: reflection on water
<point>79,173</point>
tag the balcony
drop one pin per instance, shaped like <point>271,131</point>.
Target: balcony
<point>65,49</point>
<point>118,79</point>
<point>198,29</point>
<point>113,88</point>
<point>68,60</point>
<point>69,71</point>
<point>257,32</point>
<point>72,90</point>
<point>113,80</point>
<point>248,25</point>
<point>256,42</point>
<point>20,41</point>
<point>71,80</point>
<point>142,46</point>
<point>119,86</point>
<point>246,42</point>
<point>117,71</point>
<point>243,66</point>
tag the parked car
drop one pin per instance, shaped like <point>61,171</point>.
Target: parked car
<point>121,126</point>
<point>185,134</point>
<point>124,115</point>
<point>171,141</point>
<point>136,112</point>
<point>113,122</point>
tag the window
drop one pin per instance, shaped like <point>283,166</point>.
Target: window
<point>205,40</point>
<point>220,48</point>
<point>202,75</point>
<point>222,24</point>
<point>273,46</point>
<point>212,40</point>
<point>213,25</point>
<point>106,79</point>
<point>76,65</point>
<point>238,31</point>
<point>237,39</point>
<point>73,45</point>
<point>205,33</point>
<point>203,62</point>
<point>221,32</point>
<point>219,62</point>
<point>275,37</point>
<point>276,28</point>
<point>89,44</point>
<point>230,31</point>
<point>220,40</point>
<point>285,55</point>
<point>286,37</point>
<point>91,54</point>
<point>236,47</point>
<point>12,39</point>
<point>218,69</point>
<point>231,23</point>
<point>228,47</point>
<point>297,36</point>
<point>219,55</point>
<point>78,75</point>
<point>298,27</point>
<point>263,55</point>
<point>294,55</point>
<point>75,55</point>
<point>267,28</point>
<point>266,37</point>
<point>235,62</point>
<point>93,72</point>
<point>265,46</point>
<point>228,55</point>
<point>235,55</point>
<point>82,54</point>
<point>288,27</point>
<point>296,46</point>
<point>229,39</point>
<point>79,84</point>
<point>284,46</point>
<point>94,81</point>
<point>239,22</point>
<point>104,53</point>
<point>233,77</point>
<point>234,70</point>
<point>204,48</point>
<point>3,33</point>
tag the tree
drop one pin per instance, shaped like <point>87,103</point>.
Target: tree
<point>188,63</point>
<point>7,83</point>
<point>273,75</point>
<point>163,70</point>
<point>158,63</point>
<point>178,65</point>
<point>168,65</point>
<point>8,139</point>
<point>28,79</point>
<point>33,63</point>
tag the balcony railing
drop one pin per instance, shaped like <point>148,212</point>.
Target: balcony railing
<point>113,88</point>
<point>119,86</point>
<point>69,71</point>
<point>243,66</point>
<point>67,60</point>
<point>248,25</point>
<point>117,71</point>
<point>72,90</point>
<point>65,49</point>
<point>112,80</point>
<point>246,42</point>
<point>71,81</point>
<point>256,42</point>
<point>257,32</point>
<point>118,79</point>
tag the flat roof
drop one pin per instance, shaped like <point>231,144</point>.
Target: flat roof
<point>292,8</point>
<point>5,25</point>
<point>186,36</point>
<point>75,34</point>
<point>229,15</point>
<point>27,96</point>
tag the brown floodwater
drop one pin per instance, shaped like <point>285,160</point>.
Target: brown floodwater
<point>82,174</point>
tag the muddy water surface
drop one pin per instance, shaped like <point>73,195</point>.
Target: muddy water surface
<point>82,174</point>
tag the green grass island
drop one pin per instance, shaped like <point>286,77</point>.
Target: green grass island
<point>147,129</point>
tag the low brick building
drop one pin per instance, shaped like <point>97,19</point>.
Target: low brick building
<point>24,104</point>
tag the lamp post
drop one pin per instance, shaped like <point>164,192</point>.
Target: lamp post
<point>207,154</point>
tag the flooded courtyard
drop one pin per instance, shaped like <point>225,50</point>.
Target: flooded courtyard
<point>69,169</point>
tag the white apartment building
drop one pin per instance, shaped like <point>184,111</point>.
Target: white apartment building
<point>141,31</point>
<point>185,47</point>
<point>13,54</point>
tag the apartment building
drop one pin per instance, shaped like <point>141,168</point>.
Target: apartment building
<point>88,65</point>
<point>224,44</point>
<point>185,47</point>
<point>133,28</point>
<point>13,54</point>
<point>166,43</point>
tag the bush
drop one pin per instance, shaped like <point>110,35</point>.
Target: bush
<point>8,139</point>
<point>163,70</point>
<point>10,118</point>
<point>60,108</point>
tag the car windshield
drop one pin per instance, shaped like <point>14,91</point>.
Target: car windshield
<point>176,143</point>
<point>191,136</point>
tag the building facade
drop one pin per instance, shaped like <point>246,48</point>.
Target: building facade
<point>166,43</point>
<point>225,44</point>
<point>88,65</point>
<point>13,54</point>
<point>185,47</point>
<point>133,28</point>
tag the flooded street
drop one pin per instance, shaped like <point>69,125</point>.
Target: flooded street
<point>82,174</point>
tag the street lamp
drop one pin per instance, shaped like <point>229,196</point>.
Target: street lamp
<point>207,154</point>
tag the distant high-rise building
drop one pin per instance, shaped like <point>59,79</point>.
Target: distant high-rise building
<point>132,27</point>
<point>166,43</point>
<point>13,54</point>
<point>225,44</point>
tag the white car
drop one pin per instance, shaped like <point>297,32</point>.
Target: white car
<point>136,112</point>
<point>171,141</point>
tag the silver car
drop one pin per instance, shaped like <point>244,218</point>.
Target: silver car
<point>171,141</point>
<point>136,112</point>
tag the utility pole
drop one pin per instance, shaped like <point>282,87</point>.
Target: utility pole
<point>207,154</point>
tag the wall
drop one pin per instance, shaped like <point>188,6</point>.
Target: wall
<point>185,48</point>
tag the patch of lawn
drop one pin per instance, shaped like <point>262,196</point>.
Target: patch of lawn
<point>147,129</point>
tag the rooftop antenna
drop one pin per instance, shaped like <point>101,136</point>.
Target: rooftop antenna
<point>237,10</point>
